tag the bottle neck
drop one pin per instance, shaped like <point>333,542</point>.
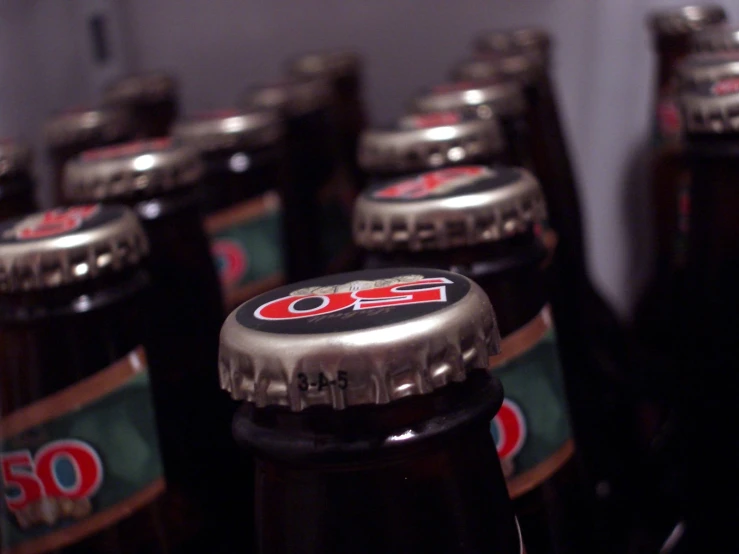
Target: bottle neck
<point>510,272</point>
<point>666,116</point>
<point>419,474</point>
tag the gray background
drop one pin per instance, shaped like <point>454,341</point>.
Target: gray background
<point>217,47</point>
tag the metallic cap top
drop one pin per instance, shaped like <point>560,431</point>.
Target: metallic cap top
<point>292,97</point>
<point>68,245</point>
<point>227,129</point>
<point>141,88</point>
<point>427,141</point>
<point>716,38</point>
<point>448,208</point>
<point>526,68</point>
<point>331,64</point>
<point>685,19</point>
<point>368,337</point>
<point>82,125</point>
<point>709,92</point>
<point>506,41</point>
<point>484,99</point>
<point>146,167</point>
<point>15,157</point>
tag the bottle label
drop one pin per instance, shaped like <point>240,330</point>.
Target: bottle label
<point>246,241</point>
<point>668,124</point>
<point>79,460</point>
<point>532,429</point>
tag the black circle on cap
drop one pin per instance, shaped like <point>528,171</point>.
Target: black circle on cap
<point>443,183</point>
<point>57,222</point>
<point>395,296</point>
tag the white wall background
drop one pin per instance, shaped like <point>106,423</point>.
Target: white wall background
<point>217,47</point>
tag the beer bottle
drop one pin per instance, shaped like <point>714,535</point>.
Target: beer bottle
<point>492,99</point>
<point>17,185</point>
<point>244,171</point>
<point>151,98</point>
<point>343,69</point>
<point>483,223</point>
<point>80,462</point>
<point>158,179</point>
<point>73,131</point>
<point>593,345</point>
<point>427,141</point>
<point>317,197</point>
<point>671,33</point>
<point>705,334</point>
<point>367,404</point>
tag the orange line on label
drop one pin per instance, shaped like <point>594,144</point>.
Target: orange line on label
<point>523,339</point>
<point>75,396</point>
<point>529,480</point>
<point>244,211</point>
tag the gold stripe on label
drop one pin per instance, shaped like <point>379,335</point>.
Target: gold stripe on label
<point>521,340</point>
<point>529,480</point>
<point>72,398</point>
<point>92,524</point>
<point>244,211</point>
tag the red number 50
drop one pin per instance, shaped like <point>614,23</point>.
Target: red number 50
<point>416,292</point>
<point>28,480</point>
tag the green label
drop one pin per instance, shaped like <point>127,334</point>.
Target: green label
<point>79,460</point>
<point>532,429</point>
<point>246,241</point>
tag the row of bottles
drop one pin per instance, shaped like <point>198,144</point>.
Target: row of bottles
<point>451,394</point>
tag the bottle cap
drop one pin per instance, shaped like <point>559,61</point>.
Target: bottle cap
<point>508,41</point>
<point>332,64</point>
<point>447,208</point>
<point>684,20</point>
<point>144,167</point>
<point>68,245</point>
<point>709,92</point>
<point>427,141</point>
<point>292,97</point>
<point>483,100</point>
<point>15,157</point>
<point>525,68</point>
<point>82,125</point>
<point>228,129</point>
<point>716,38</point>
<point>368,337</point>
<point>142,88</point>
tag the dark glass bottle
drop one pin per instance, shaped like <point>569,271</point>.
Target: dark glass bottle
<point>80,462</point>
<point>483,223</point>
<point>17,185</point>
<point>150,98</point>
<point>344,70</point>
<point>671,30</point>
<point>318,195</point>
<point>593,344</point>
<point>73,131</point>
<point>158,180</point>
<point>705,302</point>
<point>243,154</point>
<point>368,408</point>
